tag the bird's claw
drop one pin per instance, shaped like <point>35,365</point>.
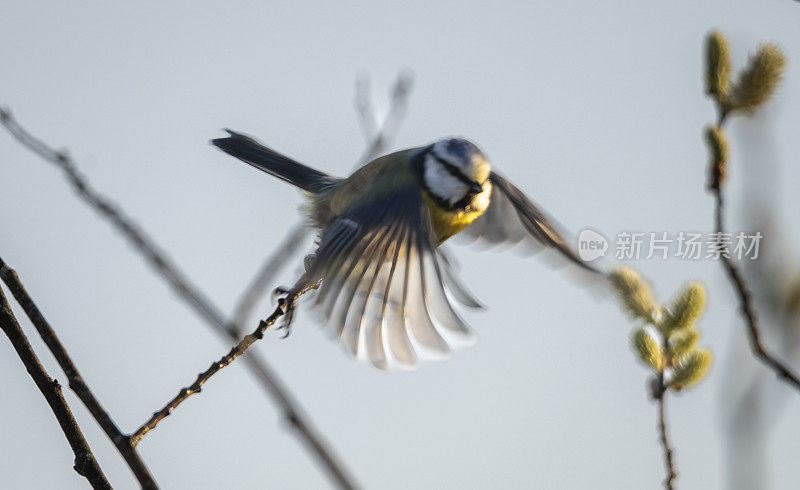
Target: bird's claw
<point>287,304</point>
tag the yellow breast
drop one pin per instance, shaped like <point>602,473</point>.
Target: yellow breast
<point>447,223</point>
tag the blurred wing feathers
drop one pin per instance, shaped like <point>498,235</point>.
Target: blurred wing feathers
<point>512,217</point>
<point>384,292</point>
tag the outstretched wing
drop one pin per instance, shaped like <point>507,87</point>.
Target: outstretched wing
<point>512,218</point>
<point>383,290</point>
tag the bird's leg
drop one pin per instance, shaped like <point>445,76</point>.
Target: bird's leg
<point>289,300</point>
<point>287,304</point>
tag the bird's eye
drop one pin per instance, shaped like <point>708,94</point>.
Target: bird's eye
<point>447,165</point>
<point>455,172</point>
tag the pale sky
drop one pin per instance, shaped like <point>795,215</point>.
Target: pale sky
<point>596,109</point>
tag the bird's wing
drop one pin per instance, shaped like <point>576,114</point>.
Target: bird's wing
<point>512,218</point>
<point>383,290</point>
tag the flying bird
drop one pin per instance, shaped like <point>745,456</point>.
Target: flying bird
<point>384,286</point>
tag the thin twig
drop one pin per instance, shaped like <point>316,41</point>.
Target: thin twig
<point>143,243</point>
<point>190,294</point>
<point>745,302</point>
<point>397,111</point>
<point>85,462</point>
<point>76,382</point>
<point>669,464</point>
<point>737,279</point>
<point>196,387</point>
<point>364,108</point>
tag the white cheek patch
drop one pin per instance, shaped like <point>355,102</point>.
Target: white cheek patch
<point>443,184</point>
<point>481,201</point>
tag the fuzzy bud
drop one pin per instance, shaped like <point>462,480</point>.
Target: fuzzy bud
<point>685,309</point>
<point>690,369</point>
<point>681,342</point>
<point>758,80</point>
<point>648,348</point>
<point>634,293</point>
<point>718,66</point>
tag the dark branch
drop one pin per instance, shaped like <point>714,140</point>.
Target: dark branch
<point>85,463</point>
<point>737,280</point>
<point>190,294</point>
<point>76,382</point>
<point>669,464</point>
<point>746,303</point>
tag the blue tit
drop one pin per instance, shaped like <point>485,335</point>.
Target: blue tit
<point>384,284</point>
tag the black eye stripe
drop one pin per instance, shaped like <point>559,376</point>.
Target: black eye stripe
<point>455,172</point>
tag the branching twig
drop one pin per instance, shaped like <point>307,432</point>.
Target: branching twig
<point>189,293</point>
<point>755,85</point>
<point>381,139</point>
<point>76,382</point>
<point>666,342</point>
<point>85,463</point>
<point>735,275</point>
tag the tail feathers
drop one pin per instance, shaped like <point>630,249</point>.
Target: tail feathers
<point>259,156</point>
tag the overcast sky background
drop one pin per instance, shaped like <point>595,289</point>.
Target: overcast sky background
<point>594,108</point>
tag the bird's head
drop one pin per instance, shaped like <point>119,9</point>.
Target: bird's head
<point>455,169</point>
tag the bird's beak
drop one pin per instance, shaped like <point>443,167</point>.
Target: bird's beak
<point>475,188</point>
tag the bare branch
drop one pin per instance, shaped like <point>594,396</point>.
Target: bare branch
<point>85,463</point>
<point>746,303</point>
<point>196,387</point>
<point>108,210</point>
<point>669,464</point>
<point>662,428</point>
<point>364,109</point>
<point>190,294</point>
<point>76,382</point>
<point>382,139</point>
<point>756,84</point>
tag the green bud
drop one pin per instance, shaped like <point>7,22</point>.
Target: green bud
<point>648,348</point>
<point>681,341</point>
<point>685,309</point>
<point>718,65</point>
<point>633,292</point>
<point>758,80</point>
<point>690,369</point>
<point>719,155</point>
